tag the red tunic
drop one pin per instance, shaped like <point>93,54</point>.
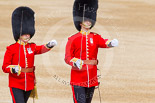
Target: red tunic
<point>87,76</point>
<point>24,81</point>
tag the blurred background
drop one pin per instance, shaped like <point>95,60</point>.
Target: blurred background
<point>127,71</point>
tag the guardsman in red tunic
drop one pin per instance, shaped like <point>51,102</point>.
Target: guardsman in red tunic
<point>19,57</point>
<point>82,49</point>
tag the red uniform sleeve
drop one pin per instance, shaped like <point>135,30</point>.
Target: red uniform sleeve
<point>102,42</point>
<point>41,49</point>
<point>7,60</point>
<point>69,52</point>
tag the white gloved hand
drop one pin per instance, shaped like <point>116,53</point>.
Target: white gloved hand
<point>114,42</point>
<point>79,64</point>
<point>14,68</point>
<point>51,44</point>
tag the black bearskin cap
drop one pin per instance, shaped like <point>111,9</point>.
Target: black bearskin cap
<point>23,22</point>
<point>86,9</point>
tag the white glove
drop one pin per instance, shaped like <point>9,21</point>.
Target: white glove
<point>114,42</point>
<point>51,44</point>
<point>79,64</point>
<point>14,68</point>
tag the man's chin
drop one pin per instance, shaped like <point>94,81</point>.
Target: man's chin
<point>26,40</point>
<point>87,27</point>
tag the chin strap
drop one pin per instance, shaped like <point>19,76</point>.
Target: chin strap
<point>82,35</point>
<point>84,11</point>
<point>86,26</point>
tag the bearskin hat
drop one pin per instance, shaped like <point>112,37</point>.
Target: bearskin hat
<point>84,10</point>
<point>23,22</point>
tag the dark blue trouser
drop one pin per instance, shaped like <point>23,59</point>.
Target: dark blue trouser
<point>82,94</point>
<point>19,96</point>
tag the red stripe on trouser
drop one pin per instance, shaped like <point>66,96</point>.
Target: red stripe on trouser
<point>13,98</point>
<point>74,95</point>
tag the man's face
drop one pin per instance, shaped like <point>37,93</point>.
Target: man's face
<point>25,38</point>
<point>86,24</point>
